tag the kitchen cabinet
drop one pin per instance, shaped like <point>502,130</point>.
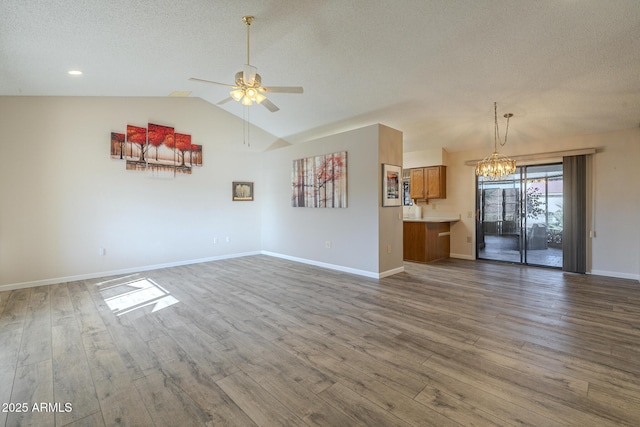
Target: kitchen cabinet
<point>416,179</point>
<point>428,183</point>
<point>426,241</point>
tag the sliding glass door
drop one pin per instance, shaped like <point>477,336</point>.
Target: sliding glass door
<point>520,217</point>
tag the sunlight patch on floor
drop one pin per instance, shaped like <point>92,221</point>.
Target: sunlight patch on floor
<point>134,294</point>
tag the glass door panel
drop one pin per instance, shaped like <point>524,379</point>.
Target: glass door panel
<point>499,219</point>
<point>543,215</point>
<point>520,217</point>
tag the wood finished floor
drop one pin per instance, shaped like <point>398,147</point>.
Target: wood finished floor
<point>264,341</point>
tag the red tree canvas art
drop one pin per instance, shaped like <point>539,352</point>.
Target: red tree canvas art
<point>136,143</point>
<point>157,149</point>
<point>183,146</point>
<point>117,145</point>
<point>161,145</point>
<point>195,158</point>
<point>135,147</point>
<point>320,181</point>
<point>158,138</point>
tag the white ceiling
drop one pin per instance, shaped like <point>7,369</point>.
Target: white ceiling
<point>431,69</point>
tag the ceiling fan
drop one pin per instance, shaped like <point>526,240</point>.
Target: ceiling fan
<point>248,83</point>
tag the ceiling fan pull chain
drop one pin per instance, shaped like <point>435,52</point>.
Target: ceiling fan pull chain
<point>244,125</point>
<point>246,136</point>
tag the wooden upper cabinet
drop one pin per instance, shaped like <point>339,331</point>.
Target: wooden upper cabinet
<point>417,188</point>
<point>429,183</point>
<point>436,182</point>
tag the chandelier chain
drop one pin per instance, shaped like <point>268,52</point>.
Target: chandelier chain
<point>496,136</point>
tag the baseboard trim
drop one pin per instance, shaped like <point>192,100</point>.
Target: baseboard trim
<point>336,267</point>
<point>615,274</point>
<point>391,272</point>
<point>462,256</point>
<point>46,282</point>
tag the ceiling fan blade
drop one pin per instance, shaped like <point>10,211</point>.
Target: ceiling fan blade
<point>269,105</point>
<point>224,101</point>
<point>249,74</point>
<point>283,89</point>
<point>193,79</point>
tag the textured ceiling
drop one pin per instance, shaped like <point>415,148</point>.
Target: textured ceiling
<point>431,69</point>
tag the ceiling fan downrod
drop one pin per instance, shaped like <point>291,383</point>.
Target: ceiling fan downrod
<point>248,20</point>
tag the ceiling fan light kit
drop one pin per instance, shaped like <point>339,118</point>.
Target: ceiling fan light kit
<point>248,87</point>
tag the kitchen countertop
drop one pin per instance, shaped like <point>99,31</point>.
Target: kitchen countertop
<point>433,219</point>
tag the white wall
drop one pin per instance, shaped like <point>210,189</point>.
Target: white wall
<point>615,199</point>
<point>63,197</point>
<point>428,157</point>
<point>616,205</point>
<point>301,233</point>
<point>390,217</point>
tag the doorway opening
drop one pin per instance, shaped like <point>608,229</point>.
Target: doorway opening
<point>519,218</point>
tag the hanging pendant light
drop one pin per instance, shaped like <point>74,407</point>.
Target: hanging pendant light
<point>496,165</point>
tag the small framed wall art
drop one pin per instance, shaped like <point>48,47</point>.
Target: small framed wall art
<point>242,191</point>
<point>391,185</point>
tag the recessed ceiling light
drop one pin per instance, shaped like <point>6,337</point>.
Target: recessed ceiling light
<point>75,72</point>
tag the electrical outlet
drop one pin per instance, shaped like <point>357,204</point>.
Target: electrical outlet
<point>102,251</point>
<point>327,244</point>
<point>468,239</point>
<point>388,249</point>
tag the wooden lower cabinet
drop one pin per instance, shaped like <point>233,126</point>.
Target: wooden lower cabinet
<point>426,241</point>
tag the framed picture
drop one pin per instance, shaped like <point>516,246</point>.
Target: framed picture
<point>391,185</point>
<point>320,181</point>
<point>242,191</point>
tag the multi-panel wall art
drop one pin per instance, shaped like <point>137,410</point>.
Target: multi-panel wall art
<point>320,181</point>
<point>157,149</point>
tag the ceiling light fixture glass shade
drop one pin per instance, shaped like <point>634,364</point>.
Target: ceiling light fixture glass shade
<point>237,94</point>
<point>496,165</point>
<point>247,96</point>
<point>259,97</point>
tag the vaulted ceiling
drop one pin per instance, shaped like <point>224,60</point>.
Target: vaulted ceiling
<point>431,69</point>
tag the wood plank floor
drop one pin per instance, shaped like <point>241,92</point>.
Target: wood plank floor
<point>264,341</point>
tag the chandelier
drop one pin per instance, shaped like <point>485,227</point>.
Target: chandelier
<point>497,165</point>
